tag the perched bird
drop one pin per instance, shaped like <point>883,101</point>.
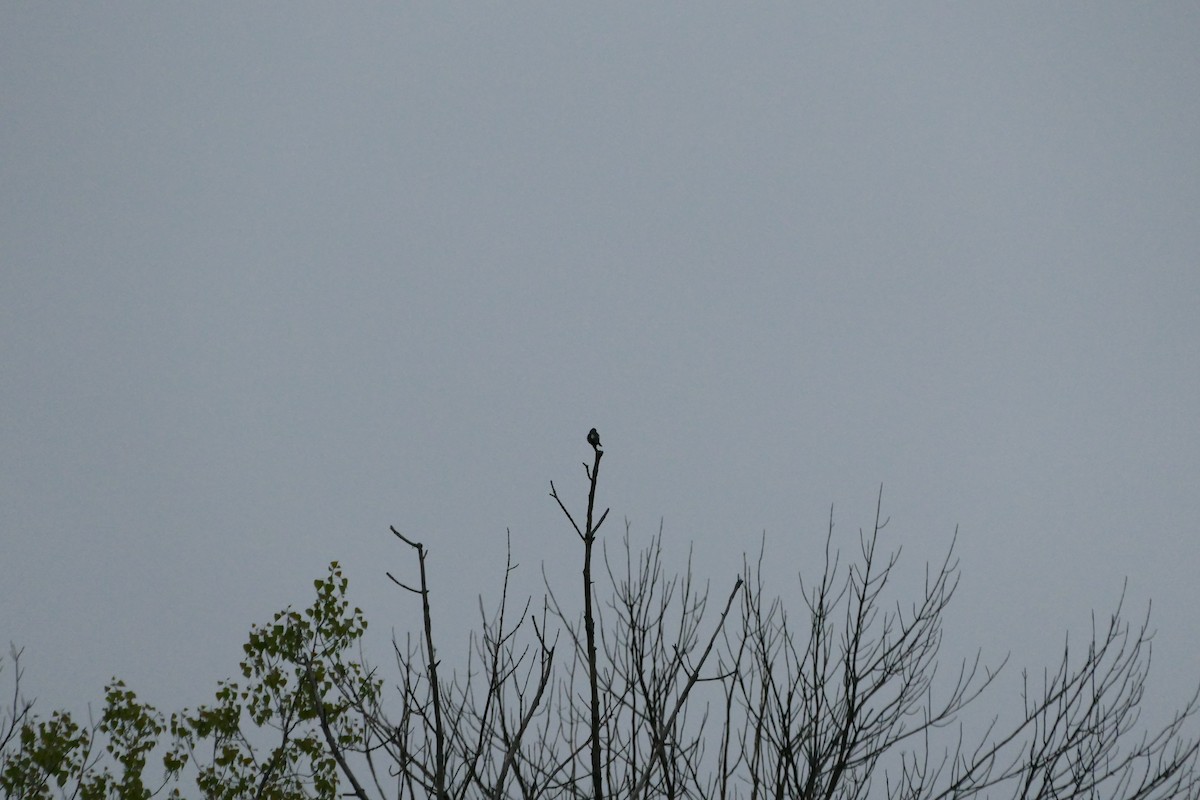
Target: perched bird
<point>593,438</point>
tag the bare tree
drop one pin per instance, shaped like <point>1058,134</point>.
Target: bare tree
<point>660,698</point>
<point>845,705</point>
<point>17,712</point>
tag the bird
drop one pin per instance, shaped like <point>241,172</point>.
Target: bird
<point>593,438</point>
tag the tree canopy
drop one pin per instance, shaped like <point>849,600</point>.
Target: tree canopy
<point>648,689</point>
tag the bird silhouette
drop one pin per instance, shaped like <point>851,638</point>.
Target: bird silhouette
<point>593,438</point>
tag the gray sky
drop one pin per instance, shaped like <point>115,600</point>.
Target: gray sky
<point>273,278</point>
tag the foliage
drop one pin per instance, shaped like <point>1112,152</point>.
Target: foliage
<point>278,735</point>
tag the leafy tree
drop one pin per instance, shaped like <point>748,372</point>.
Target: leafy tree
<point>648,693</point>
<point>59,757</point>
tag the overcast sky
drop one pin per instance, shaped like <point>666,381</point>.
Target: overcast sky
<point>273,278</point>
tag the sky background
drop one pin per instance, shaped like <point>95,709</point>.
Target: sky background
<point>275,278</point>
